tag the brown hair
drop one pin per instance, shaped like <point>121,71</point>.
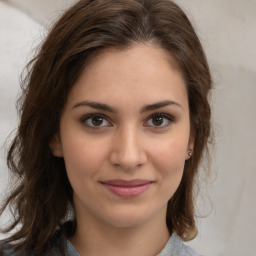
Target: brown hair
<point>41,199</point>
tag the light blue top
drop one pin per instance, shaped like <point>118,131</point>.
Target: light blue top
<point>174,247</point>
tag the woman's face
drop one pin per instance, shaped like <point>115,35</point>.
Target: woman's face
<point>125,135</point>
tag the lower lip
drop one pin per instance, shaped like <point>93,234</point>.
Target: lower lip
<point>127,192</point>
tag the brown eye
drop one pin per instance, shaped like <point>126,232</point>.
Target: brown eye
<point>97,120</point>
<point>157,120</point>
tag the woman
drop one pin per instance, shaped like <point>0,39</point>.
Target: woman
<point>114,123</point>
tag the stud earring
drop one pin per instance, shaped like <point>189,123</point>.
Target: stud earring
<point>190,152</point>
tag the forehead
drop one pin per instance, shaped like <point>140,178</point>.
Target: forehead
<point>135,57</point>
<point>141,71</point>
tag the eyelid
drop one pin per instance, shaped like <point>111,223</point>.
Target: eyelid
<point>165,115</point>
<point>88,116</point>
<point>169,117</point>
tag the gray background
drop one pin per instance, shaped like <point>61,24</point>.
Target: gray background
<point>227,29</point>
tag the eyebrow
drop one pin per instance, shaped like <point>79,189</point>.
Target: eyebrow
<point>107,108</point>
<point>95,105</point>
<point>160,104</point>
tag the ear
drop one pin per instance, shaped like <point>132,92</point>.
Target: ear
<point>55,146</point>
<point>190,147</point>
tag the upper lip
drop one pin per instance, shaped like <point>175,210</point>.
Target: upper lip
<point>126,183</point>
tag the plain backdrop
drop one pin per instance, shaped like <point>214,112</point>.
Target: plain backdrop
<point>227,29</point>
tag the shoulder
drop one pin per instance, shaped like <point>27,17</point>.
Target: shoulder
<point>176,247</point>
<point>57,245</point>
<point>188,251</point>
<point>6,249</point>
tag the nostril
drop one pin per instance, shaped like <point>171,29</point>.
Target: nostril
<point>128,161</point>
<point>128,151</point>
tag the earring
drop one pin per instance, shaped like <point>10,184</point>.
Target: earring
<point>190,152</point>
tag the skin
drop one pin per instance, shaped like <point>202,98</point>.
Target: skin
<point>126,143</point>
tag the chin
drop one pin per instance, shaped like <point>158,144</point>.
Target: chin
<point>126,222</point>
<point>132,218</point>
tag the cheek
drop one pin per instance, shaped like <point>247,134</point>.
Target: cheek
<point>169,165</point>
<point>169,158</point>
<point>83,156</point>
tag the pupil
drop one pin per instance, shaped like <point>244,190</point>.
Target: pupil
<point>158,120</point>
<point>97,120</point>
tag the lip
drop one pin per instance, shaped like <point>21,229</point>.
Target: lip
<point>127,188</point>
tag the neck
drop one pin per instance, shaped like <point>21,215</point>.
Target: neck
<point>93,239</point>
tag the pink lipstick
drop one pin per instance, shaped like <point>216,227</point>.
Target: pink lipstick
<point>127,188</point>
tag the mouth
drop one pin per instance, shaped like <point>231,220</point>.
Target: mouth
<point>127,188</point>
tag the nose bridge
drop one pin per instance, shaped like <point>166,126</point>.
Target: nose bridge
<point>128,151</point>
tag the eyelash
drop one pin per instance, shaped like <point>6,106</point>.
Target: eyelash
<point>164,116</point>
<point>85,119</point>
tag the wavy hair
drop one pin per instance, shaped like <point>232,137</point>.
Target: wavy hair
<point>42,196</point>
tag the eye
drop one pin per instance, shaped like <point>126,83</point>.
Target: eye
<point>95,121</point>
<point>159,120</point>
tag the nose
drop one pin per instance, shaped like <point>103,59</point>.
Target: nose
<point>128,151</point>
